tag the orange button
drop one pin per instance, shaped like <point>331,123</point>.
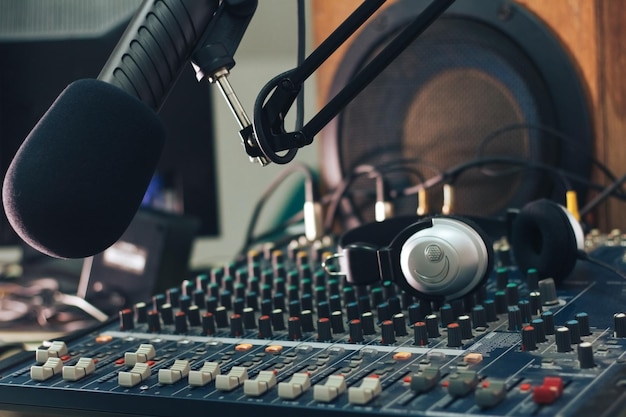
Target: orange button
<point>274,349</point>
<point>402,356</point>
<point>244,347</point>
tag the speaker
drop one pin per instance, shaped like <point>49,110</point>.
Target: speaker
<point>487,79</point>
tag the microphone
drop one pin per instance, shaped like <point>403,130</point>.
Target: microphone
<point>79,177</point>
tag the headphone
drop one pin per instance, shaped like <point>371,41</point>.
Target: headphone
<point>449,257</point>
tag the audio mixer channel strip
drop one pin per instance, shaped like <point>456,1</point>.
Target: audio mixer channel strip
<point>277,335</point>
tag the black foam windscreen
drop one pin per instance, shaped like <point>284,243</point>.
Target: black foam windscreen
<point>79,177</point>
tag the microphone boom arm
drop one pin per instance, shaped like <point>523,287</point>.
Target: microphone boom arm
<point>270,136</point>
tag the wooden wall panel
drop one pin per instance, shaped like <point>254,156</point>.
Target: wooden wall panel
<point>591,30</point>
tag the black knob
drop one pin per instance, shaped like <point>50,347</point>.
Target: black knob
<point>585,355</point>
<point>236,325</point>
<point>141,312</point>
<point>529,338</point>
<point>221,317</point>
<point>208,323</point>
<point>387,333</point>
<point>180,322</point>
<point>432,326</point>
<point>574,331</point>
<point>466,327</point>
<point>540,330</point>
<point>479,316</point>
<point>515,319</point>
<point>126,319</point>
<point>193,315</point>
<point>167,314</point>
<point>548,320</point>
<point>356,331</point>
<point>420,333</point>
<point>324,329</point>
<point>249,321</point>
<point>563,339</point>
<point>399,324</point>
<point>367,321</point>
<point>619,325</point>
<point>265,327</point>
<point>278,321</point>
<point>336,322</point>
<point>447,315</point>
<point>306,320</point>
<point>583,323</point>
<point>294,328</point>
<point>454,335</point>
<point>154,321</point>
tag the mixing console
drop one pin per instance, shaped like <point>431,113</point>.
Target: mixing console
<point>278,335</point>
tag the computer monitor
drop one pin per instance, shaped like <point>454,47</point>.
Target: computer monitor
<point>47,44</point>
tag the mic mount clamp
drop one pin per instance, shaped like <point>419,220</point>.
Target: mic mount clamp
<point>213,60</point>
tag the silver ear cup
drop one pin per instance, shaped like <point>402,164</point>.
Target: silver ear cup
<point>449,259</point>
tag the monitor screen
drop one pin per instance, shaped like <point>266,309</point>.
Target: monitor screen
<point>47,44</point>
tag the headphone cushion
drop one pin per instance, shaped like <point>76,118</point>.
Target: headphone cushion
<point>543,238</point>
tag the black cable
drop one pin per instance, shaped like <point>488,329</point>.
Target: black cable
<point>300,59</point>
<point>603,195</point>
<point>310,195</point>
<point>567,140</point>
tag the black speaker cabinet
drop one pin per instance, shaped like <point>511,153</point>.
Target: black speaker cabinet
<point>151,256</point>
<point>486,80</point>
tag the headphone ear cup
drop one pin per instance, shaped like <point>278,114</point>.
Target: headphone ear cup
<point>447,260</point>
<point>545,237</point>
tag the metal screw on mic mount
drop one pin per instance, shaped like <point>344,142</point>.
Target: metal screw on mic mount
<point>221,79</point>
